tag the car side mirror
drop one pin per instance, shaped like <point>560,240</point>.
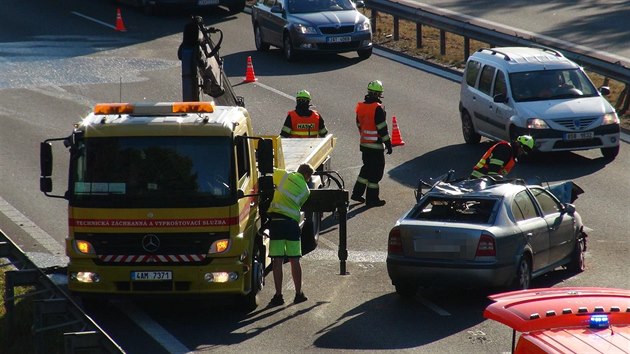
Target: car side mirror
<point>277,8</point>
<point>500,98</point>
<point>604,90</point>
<point>359,4</point>
<point>569,208</point>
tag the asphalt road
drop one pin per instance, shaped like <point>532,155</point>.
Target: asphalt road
<point>58,60</point>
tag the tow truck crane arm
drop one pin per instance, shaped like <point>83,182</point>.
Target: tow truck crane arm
<point>202,66</point>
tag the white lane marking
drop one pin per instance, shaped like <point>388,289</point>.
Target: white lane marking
<point>152,328</point>
<point>269,88</point>
<point>39,235</point>
<point>93,19</point>
<point>440,311</point>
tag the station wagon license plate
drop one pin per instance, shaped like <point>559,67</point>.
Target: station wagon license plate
<point>151,276</point>
<point>343,39</point>
<point>207,2</point>
<point>578,136</point>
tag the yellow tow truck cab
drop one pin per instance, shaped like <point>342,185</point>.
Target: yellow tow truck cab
<point>163,198</point>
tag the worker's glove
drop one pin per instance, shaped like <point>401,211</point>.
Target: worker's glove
<point>389,150</point>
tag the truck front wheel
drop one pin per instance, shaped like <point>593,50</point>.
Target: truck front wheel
<point>252,300</point>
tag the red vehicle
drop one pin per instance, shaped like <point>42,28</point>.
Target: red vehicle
<point>565,320</point>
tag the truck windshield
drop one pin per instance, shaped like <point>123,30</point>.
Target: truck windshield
<point>161,171</point>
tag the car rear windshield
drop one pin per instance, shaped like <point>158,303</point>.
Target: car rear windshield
<point>551,84</point>
<point>465,210</point>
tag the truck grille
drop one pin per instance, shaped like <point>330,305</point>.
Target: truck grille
<point>157,248</point>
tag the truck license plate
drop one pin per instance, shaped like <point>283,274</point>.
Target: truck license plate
<point>343,39</point>
<point>151,276</point>
<point>578,136</point>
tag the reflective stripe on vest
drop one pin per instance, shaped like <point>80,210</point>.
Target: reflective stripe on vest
<point>365,120</point>
<point>290,194</point>
<point>482,167</point>
<point>304,127</point>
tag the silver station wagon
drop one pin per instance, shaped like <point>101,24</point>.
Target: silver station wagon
<point>302,26</point>
<point>485,233</point>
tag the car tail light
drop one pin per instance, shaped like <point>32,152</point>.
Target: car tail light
<point>486,247</point>
<point>394,242</point>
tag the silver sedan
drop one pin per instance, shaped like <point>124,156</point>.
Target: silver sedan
<point>485,233</point>
<point>301,26</point>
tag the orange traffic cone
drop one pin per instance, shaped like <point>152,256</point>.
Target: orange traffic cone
<point>120,26</point>
<point>396,139</point>
<point>249,74</point>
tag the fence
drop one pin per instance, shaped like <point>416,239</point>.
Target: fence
<point>607,65</point>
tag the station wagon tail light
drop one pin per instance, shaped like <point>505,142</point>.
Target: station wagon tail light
<point>486,247</point>
<point>394,242</point>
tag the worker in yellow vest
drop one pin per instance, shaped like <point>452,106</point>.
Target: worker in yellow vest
<point>370,119</point>
<point>291,192</point>
<point>303,122</point>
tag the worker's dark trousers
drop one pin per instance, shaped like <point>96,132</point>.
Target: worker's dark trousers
<point>371,173</point>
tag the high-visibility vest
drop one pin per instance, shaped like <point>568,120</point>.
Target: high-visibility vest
<point>304,127</point>
<point>482,167</point>
<point>367,126</point>
<point>290,194</point>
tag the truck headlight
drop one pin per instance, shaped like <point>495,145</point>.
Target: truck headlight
<point>85,277</point>
<point>84,247</point>
<point>219,246</point>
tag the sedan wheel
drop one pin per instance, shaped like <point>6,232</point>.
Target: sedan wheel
<point>578,263</point>
<point>261,46</point>
<point>610,153</point>
<point>523,275</point>
<point>470,136</point>
<point>365,53</point>
<point>289,52</point>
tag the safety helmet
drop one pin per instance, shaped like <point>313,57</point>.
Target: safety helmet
<point>303,95</point>
<point>526,142</point>
<point>375,86</point>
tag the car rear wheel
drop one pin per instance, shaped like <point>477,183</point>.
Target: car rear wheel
<point>578,263</point>
<point>261,46</point>
<point>523,277</point>
<point>364,53</point>
<point>287,49</point>
<point>406,290</point>
<point>610,153</point>
<point>470,135</point>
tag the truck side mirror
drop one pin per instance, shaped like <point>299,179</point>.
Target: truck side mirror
<point>45,184</point>
<point>265,156</point>
<point>45,159</point>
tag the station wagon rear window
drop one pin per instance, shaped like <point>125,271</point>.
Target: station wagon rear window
<point>465,210</point>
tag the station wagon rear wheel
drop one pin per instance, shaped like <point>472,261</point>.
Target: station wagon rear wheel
<point>468,129</point>
<point>523,274</point>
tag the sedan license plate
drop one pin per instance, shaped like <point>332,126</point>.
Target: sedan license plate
<point>207,2</point>
<point>343,39</point>
<point>578,136</point>
<point>151,276</point>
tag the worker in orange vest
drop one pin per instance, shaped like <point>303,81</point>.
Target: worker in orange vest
<point>502,156</point>
<point>303,122</point>
<point>370,119</point>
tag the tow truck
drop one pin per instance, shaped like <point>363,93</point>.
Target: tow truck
<point>170,197</point>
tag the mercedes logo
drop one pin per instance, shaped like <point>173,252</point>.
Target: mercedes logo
<point>150,243</point>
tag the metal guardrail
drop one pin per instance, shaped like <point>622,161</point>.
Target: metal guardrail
<point>608,65</point>
<point>53,307</point>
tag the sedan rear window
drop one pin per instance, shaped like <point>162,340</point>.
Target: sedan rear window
<point>468,210</point>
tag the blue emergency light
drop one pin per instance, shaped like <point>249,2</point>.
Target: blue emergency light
<point>598,321</point>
